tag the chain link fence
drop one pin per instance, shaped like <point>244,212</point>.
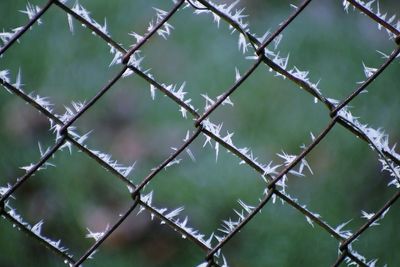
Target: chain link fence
<point>129,62</point>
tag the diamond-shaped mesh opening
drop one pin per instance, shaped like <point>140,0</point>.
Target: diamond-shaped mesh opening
<point>132,127</point>
<point>261,124</point>
<point>206,183</point>
<point>197,56</point>
<point>336,180</point>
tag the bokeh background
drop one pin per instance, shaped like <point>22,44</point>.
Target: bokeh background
<point>270,115</point>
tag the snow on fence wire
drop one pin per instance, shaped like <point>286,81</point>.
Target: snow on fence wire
<point>129,61</point>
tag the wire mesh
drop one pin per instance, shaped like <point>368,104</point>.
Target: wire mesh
<point>129,61</point>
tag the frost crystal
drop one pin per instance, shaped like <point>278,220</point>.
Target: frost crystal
<point>343,233</point>
<point>4,75</point>
<point>369,71</point>
<point>85,14</point>
<point>97,235</point>
<point>4,189</point>
<point>165,30</point>
<point>37,228</point>
<point>31,11</point>
<point>172,217</point>
<point>373,7</point>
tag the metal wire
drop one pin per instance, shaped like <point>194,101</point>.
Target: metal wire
<point>211,252</point>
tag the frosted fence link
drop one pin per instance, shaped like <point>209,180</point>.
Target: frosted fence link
<point>66,136</point>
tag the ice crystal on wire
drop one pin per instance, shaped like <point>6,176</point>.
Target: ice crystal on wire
<point>374,7</point>
<point>234,14</point>
<point>393,170</point>
<point>70,112</point>
<point>369,71</point>
<point>372,263</point>
<point>270,169</point>
<point>309,217</point>
<point>85,14</point>
<point>164,31</point>
<point>137,36</point>
<point>296,73</point>
<point>114,164</point>
<point>42,101</point>
<point>97,235</point>
<point>246,207</point>
<point>368,216</point>
<point>173,217</point>
<point>383,55</point>
<point>178,95</point>
<point>188,151</point>
<point>166,28</point>
<point>277,40</point>
<point>173,162</point>
<point>172,214</point>
<point>35,229</point>
<point>290,158</point>
<point>18,84</point>
<point>264,37</point>
<point>243,45</point>
<point>135,60</point>
<point>227,101</point>
<point>344,233</point>
<point>5,37</point>
<point>230,224</point>
<point>237,75</point>
<point>4,189</point>
<point>39,101</point>
<point>346,5</point>
<point>70,22</point>
<point>302,75</point>
<point>104,157</point>
<point>283,62</point>
<point>147,199</point>
<point>31,11</point>
<point>228,138</point>
<point>44,166</point>
<point>379,140</point>
<point>209,102</point>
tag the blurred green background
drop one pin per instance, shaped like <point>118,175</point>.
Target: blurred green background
<point>270,115</point>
